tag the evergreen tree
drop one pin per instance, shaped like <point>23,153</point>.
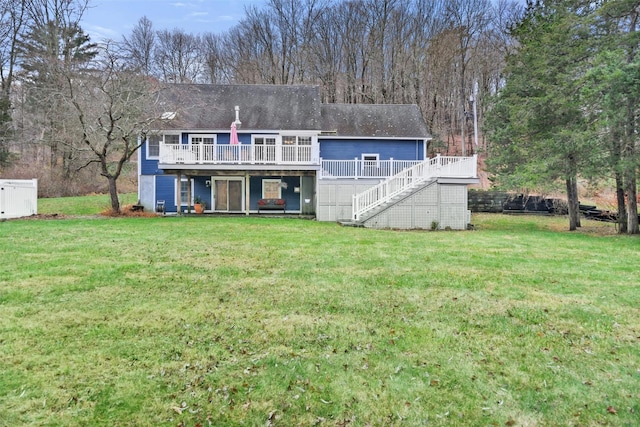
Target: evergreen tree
<point>49,52</point>
<point>539,131</point>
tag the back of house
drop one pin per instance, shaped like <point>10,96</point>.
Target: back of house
<point>239,148</point>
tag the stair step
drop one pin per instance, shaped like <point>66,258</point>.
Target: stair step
<point>357,224</point>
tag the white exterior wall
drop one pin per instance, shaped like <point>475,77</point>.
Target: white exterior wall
<point>335,197</point>
<point>453,206</point>
<point>445,204</point>
<point>417,210</point>
<point>18,198</point>
<point>147,191</point>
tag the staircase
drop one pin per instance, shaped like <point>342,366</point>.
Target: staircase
<point>397,187</point>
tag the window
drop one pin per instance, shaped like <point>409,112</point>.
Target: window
<point>264,140</point>
<point>171,138</point>
<point>296,140</point>
<point>264,148</point>
<point>153,146</point>
<point>202,139</point>
<point>370,163</point>
<point>370,159</point>
<point>184,190</point>
<point>271,189</point>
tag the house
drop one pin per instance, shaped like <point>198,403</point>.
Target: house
<point>364,164</point>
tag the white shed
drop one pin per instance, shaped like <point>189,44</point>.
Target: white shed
<point>18,198</point>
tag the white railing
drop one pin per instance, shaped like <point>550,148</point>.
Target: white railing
<point>199,154</point>
<point>358,168</point>
<point>437,167</point>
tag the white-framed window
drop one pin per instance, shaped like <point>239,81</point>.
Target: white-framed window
<point>171,138</point>
<point>271,189</point>
<point>370,164</point>
<point>296,140</point>
<point>184,191</point>
<point>371,159</point>
<point>264,139</point>
<point>304,140</point>
<point>264,147</point>
<point>153,146</point>
<point>202,139</point>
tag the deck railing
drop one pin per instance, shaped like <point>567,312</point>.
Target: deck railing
<point>358,168</point>
<point>205,154</point>
<point>437,167</point>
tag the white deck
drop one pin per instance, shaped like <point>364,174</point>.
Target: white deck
<point>253,157</point>
<point>241,154</point>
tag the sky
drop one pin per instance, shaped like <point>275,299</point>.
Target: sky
<point>111,19</point>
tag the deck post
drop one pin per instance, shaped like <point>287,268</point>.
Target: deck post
<point>189,198</point>
<point>247,193</point>
<point>178,186</point>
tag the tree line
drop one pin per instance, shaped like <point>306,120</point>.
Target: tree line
<point>425,52</point>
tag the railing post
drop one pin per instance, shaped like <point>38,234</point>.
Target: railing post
<point>354,207</point>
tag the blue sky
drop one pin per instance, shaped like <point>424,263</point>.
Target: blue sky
<point>110,19</point>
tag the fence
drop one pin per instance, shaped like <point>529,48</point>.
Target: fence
<point>18,198</point>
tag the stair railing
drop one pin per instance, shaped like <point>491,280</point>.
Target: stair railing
<point>436,167</point>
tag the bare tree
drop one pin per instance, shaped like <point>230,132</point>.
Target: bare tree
<point>109,108</point>
<point>467,19</point>
<point>139,46</point>
<point>177,56</point>
<point>326,61</point>
<point>212,58</point>
<point>12,21</point>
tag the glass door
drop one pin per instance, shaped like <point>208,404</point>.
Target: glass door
<point>228,195</point>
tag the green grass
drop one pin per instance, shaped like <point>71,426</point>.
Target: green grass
<point>82,205</point>
<point>256,321</point>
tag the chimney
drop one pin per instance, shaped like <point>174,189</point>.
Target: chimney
<point>238,122</point>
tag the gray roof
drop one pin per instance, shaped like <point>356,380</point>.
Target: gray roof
<point>378,121</point>
<point>266,107</point>
<point>285,107</point>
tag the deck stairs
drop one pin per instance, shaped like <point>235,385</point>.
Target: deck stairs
<point>396,188</point>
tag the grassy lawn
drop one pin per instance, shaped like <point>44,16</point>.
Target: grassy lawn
<point>201,321</point>
<point>82,205</point>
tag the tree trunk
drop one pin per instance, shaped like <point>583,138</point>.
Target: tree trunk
<point>113,193</point>
<point>622,207</point>
<point>632,202</point>
<point>573,202</point>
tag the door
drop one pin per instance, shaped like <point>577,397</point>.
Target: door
<point>228,197</point>
<point>235,195</point>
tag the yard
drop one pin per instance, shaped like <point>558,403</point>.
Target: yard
<point>201,321</point>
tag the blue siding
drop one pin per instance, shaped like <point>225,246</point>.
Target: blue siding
<point>148,167</point>
<point>166,187</point>
<point>165,190</point>
<point>348,149</point>
<point>291,197</point>
<point>201,190</point>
